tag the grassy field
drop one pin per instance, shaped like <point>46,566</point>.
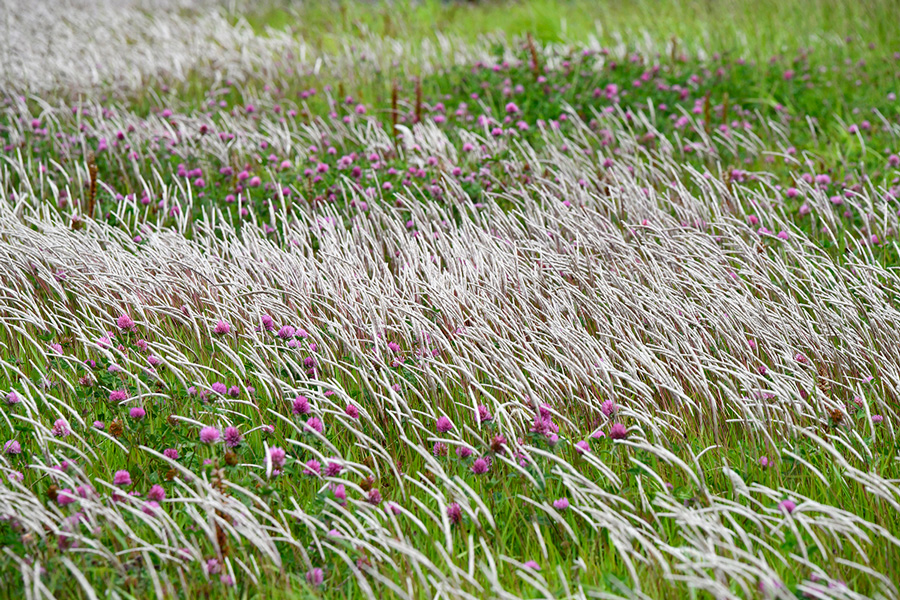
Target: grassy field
<point>444,299</point>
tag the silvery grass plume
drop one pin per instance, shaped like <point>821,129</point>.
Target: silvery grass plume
<point>628,370</point>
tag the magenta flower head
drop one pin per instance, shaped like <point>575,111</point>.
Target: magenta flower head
<point>125,322</point>
<point>213,567</point>
<point>314,424</point>
<point>333,469</point>
<point>877,419</point>
<point>233,437</point>
<point>443,425</point>
<point>61,428</point>
<point>764,462</point>
<point>66,496</point>
<point>151,507</point>
<point>511,108</point>
<point>374,497</point>
<point>533,565</point>
<point>340,492</point>
<point>209,435</point>
<point>171,453</point>
<point>315,577</point>
<point>561,504</point>
<point>300,406</point>
<point>463,452</point>
<point>352,411</point>
<point>118,395</point>
<point>312,467</point>
<point>222,328</point>
<point>12,447</point>
<point>157,493</point>
<point>582,447</point>
<point>286,332</point>
<point>137,413</point>
<point>277,456</point>
<point>122,478</point>
<point>480,466</point>
<point>219,388</point>
<point>454,512</point>
<point>484,414</point>
<point>618,431</point>
<point>609,408</point>
<point>12,398</point>
<point>787,506</point>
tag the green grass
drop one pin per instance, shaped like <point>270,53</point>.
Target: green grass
<point>854,42</point>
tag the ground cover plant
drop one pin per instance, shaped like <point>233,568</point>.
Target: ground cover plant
<point>469,300</point>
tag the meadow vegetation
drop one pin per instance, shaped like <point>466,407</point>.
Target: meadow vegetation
<point>474,300</point>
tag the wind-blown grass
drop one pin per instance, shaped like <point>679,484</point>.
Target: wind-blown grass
<point>499,316</point>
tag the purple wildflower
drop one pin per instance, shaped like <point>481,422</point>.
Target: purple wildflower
<point>66,496</point>
<point>209,435</point>
<point>787,506</point>
<point>315,577</point>
<point>454,512</point>
<point>157,493</point>
<point>480,466</point>
<point>561,504</point>
<point>277,456</point>
<point>340,492</point>
<point>618,432</point>
<point>233,437</point>
<point>125,322</point>
<point>213,567</point>
<point>443,425</point>
<point>61,428</point>
<point>300,406</point>
<point>122,478</point>
<point>314,424</point>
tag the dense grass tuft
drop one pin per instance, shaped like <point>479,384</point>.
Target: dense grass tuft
<point>496,299</point>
